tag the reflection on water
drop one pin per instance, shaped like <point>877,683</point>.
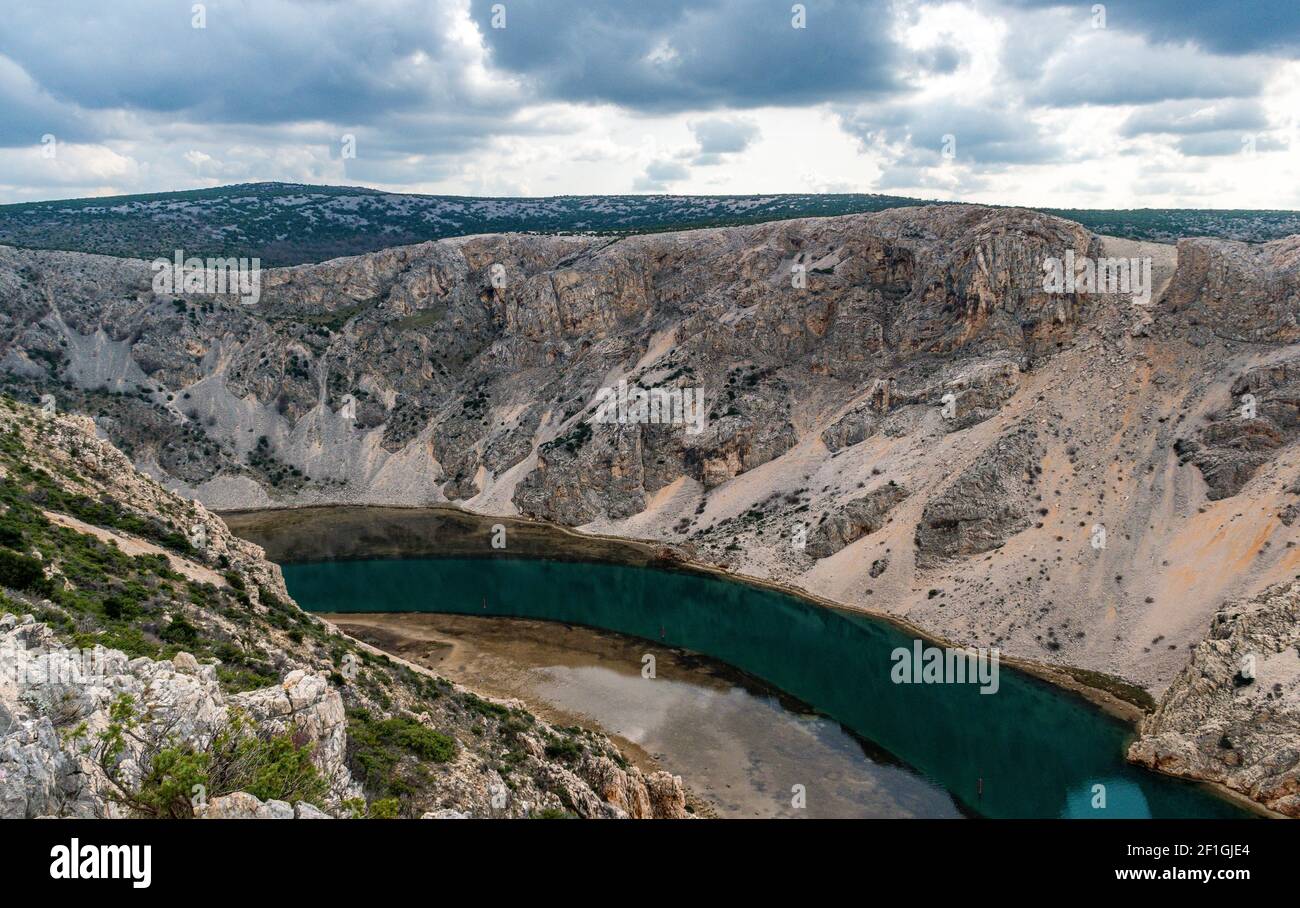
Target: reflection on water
<point>1029,750</point>
<point>739,746</point>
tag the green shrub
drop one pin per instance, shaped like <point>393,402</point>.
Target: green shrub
<point>385,809</point>
<point>179,632</point>
<point>274,768</point>
<point>419,739</point>
<point>12,537</point>
<point>235,680</point>
<point>564,749</point>
<point>486,707</point>
<point>176,776</point>
<point>22,572</point>
<point>117,608</point>
<point>376,748</point>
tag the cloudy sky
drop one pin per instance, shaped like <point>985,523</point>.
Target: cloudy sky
<point>1187,103</point>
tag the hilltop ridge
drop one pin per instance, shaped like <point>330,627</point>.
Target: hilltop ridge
<point>294,223</point>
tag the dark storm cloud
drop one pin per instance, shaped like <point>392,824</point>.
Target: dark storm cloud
<point>671,55</point>
<point>28,112</point>
<point>416,134</point>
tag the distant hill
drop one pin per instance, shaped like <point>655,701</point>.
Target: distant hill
<point>1165,225</point>
<point>289,223</point>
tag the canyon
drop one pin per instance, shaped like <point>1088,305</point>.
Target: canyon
<point>895,388</point>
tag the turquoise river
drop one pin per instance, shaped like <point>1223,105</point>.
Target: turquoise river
<point>1028,750</point>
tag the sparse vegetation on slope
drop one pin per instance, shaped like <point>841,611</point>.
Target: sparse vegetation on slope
<point>106,561</point>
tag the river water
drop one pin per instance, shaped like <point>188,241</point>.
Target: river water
<point>762,701</point>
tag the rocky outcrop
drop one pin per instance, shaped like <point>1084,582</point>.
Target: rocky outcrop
<point>984,506</point>
<point>968,392</point>
<point>853,428</point>
<point>1263,416</point>
<point>1233,715</point>
<point>243,806</point>
<point>854,520</point>
<point>1241,291</point>
<point>305,706</point>
<point>977,392</point>
<point>659,795</point>
<point>56,703</point>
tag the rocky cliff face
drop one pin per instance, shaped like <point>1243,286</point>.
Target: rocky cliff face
<point>1231,715</point>
<point>985,505</point>
<point>151,664</point>
<point>56,703</point>
<point>467,368</point>
<point>1261,417</point>
<point>1082,486</point>
<point>1238,290</point>
<point>855,519</point>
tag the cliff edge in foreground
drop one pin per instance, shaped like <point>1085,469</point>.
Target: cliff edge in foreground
<point>153,665</point>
